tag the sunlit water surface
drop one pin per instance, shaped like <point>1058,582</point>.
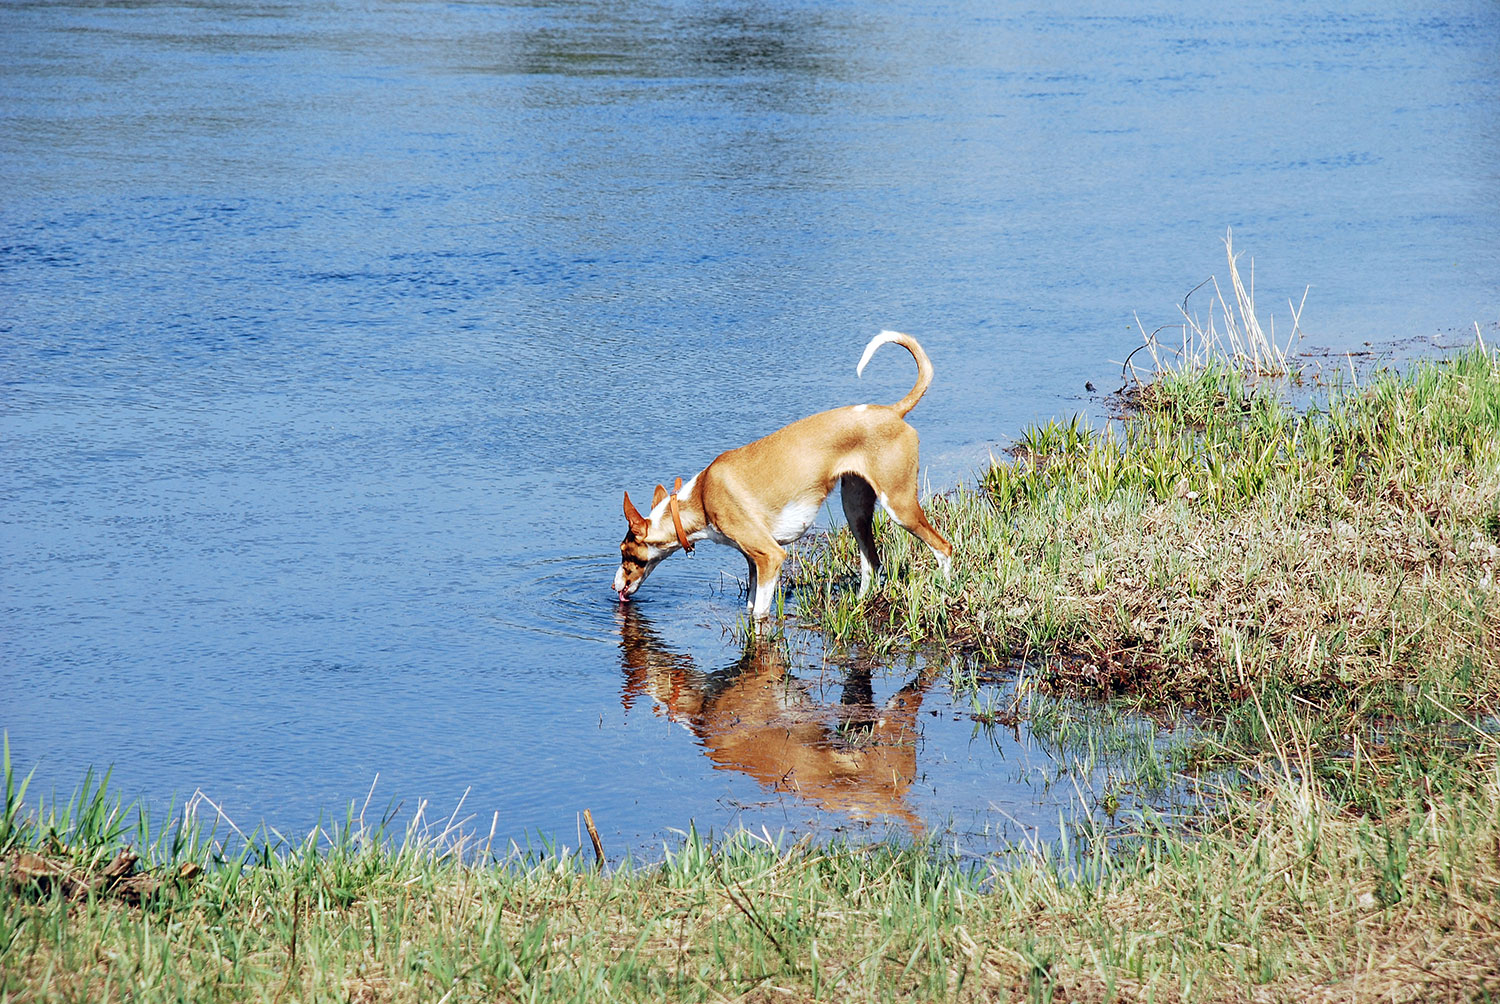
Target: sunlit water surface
<point>330,335</point>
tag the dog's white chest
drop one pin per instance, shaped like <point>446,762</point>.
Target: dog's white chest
<point>793,521</point>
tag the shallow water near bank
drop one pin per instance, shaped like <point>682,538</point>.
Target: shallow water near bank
<point>330,338</point>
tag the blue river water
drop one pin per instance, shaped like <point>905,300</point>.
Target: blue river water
<point>330,335</point>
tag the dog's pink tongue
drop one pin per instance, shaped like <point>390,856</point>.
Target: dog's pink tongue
<point>624,596</point>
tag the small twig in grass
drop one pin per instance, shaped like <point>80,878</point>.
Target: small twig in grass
<point>1190,293</point>
<point>759,924</point>
<point>291,965</point>
<point>1148,343</point>
<point>455,823</point>
<point>588,821</point>
<point>374,781</point>
<point>190,812</point>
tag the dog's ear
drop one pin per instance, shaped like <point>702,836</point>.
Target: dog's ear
<point>638,524</point>
<point>657,496</point>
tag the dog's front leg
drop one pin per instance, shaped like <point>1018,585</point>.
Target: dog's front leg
<point>765,562</point>
<point>765,592</point>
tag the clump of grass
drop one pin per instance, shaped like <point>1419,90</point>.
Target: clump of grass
<point>1227,337</point>
<point>1218,543</point>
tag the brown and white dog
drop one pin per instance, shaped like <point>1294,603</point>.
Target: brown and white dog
<point>761,496</point>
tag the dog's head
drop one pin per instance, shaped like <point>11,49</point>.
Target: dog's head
<point>638,556</point>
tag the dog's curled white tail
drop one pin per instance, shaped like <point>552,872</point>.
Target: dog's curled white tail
<point>924,367</point>
<point>875,343</point>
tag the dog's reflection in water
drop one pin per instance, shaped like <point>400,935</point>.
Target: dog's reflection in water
<point>754,716</point>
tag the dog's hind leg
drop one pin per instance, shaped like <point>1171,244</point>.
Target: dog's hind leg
<point>859,508</point>
<point>907,511</point>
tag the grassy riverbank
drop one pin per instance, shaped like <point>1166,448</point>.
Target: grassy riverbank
<point>1331,570</point>
<point>1217,545</point>
<point>1284,896</point>
<point>1318,587</point>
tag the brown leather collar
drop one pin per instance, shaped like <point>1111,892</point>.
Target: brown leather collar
<point>677,517</point>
